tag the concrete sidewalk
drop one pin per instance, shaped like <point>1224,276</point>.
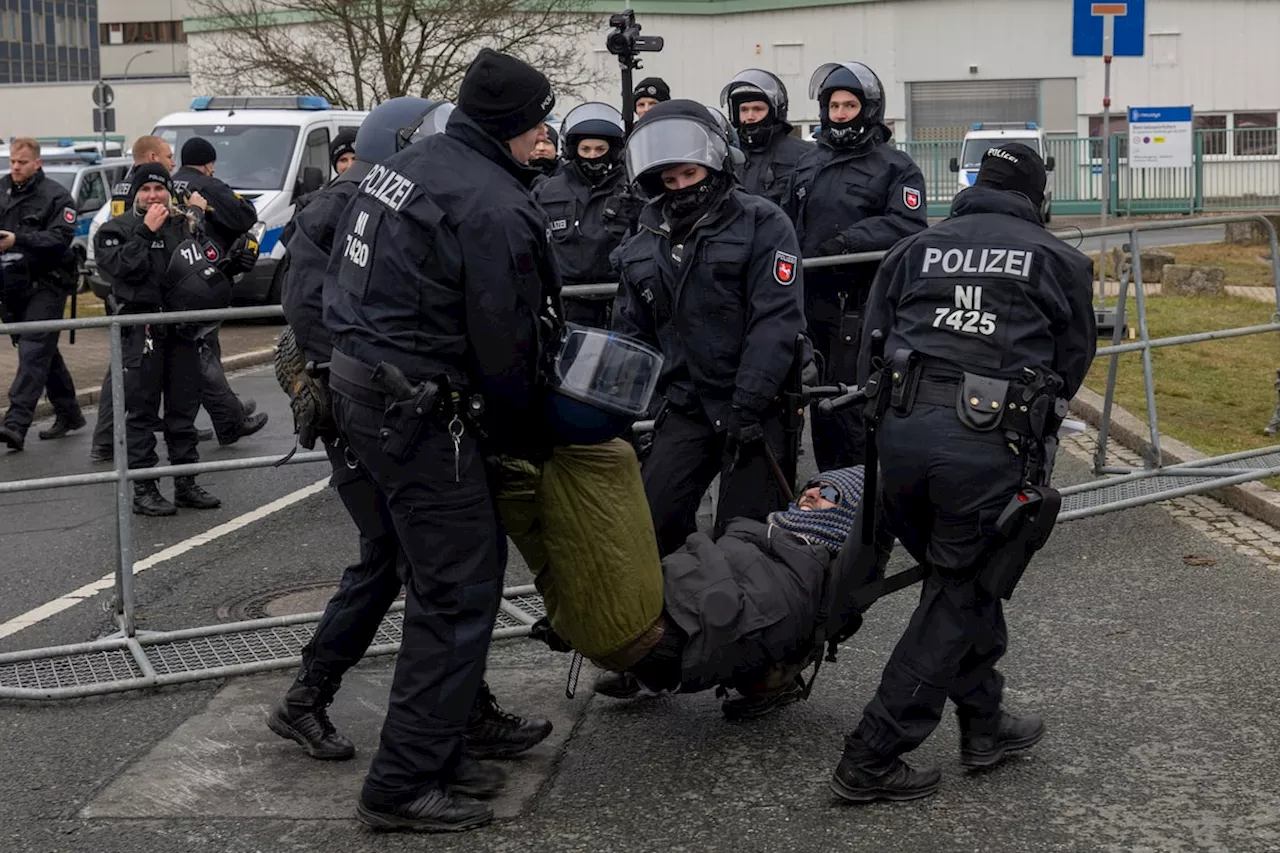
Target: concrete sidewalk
<point>243,345</point>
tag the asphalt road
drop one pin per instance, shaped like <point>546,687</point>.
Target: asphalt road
<point>1171,237</point>
<point>1149,649</point>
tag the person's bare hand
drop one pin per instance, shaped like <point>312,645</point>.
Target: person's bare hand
<point>6,240</point>
<point>197,200</point>
<point>156,216</point>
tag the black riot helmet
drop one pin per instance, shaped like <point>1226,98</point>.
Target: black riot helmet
<point>594,120</point>
<point>396,123</point>
<point>755,84</point>
<point>671,133</point>
<point>851,77</point>
<point>735,144</point>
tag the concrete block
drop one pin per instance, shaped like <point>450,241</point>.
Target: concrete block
<point>1188,280</point>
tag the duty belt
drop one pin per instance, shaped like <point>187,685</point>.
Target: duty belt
<point>946,391</point>
<point>372,386</point>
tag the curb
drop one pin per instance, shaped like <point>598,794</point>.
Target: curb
<point>239,361</point>
<point>1253,499</point>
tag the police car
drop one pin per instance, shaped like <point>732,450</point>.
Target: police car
<point>272,149</point>
<point>983,135</point>
<point>87,176</point>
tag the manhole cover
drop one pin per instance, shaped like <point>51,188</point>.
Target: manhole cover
<point>279,601</point>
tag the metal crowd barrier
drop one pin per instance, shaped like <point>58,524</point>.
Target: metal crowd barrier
<point>131,659</point>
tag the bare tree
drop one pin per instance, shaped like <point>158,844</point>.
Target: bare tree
<point>357,53</point>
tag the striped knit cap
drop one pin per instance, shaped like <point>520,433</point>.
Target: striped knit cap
<point>829,526</point>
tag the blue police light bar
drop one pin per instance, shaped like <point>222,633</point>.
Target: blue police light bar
<point>1031,125</point>
<point>260,102</point>
<point>977,125</point>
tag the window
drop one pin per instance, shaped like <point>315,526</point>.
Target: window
<point>1119,128</point>
<point>1255,134</point>
<point>1212,132</point>
<point>317,152</point>
<point>142,32</point>
<point>92,194</point>
<point>84,32</point>
<point>37,29</point>
<point>250,158</point>
<point>11,26</point>
<point>59,29</point>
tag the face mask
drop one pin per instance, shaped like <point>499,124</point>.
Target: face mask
<point>758,135</point>
<point>844,134</point>
<point>545,165</point>
<point>690,200</point>
<point>595,170</point>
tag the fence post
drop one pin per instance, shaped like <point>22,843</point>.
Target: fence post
<point>1112,175</point>
<point>1197,171</point>
<point>1152,456</point>
<point>124,498</point>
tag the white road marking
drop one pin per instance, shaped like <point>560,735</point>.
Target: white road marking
<point>66,602</point>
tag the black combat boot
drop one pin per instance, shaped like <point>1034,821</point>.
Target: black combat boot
<point>188,495</point>
<point>435,811</point>
<point>985,744</point>
<point>475,779</point>
<point>619,685</point>
<point>493,733</point>
<point>102,454</point>
<point>864,777</point>
<point>301,716</point>
<point>11,437</point>
<point>62,426</point>
<point>251,424</point>
<point>147,500</point>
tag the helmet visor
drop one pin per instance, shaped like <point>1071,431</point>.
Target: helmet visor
<point>754,78</point>
<point>605,370</point>
<point>431,122</point>
<point>592,112</point>
<point>671,140</point>
<point>865,76</point>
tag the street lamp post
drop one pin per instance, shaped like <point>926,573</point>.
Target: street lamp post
<point>132,58</point>
<point>125,77</point>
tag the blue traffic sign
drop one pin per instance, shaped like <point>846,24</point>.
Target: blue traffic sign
<point>1159,115</point>
<point>1130,27</point>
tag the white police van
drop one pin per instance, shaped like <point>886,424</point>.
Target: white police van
<point>983,135</point>
<point>271,149</point>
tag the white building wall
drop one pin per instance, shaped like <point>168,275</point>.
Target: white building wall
<point>66,109</point>
<point>169,58</point>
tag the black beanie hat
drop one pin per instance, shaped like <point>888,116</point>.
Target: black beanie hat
<point>553,137</point>
<point>504,96</point>
<point>150,173</point>
<point>652,87</point>
<point>198,151</point>
<point>1014,167</point>
<point>343,143</point>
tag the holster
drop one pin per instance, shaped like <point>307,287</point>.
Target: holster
<point>904,373</point>
<point>842,355</point>
<point>404,416</point>
<point>1022,529</point>
<point>980,405</point>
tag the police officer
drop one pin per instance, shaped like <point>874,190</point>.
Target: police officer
<point>342,151</point>
<point>757,103</point>
<point>146,255</point>
<point>713,280</point>
<point>437,303</point>
<point>546,157</point>
<point>998,314</point>
<point>852,192</point>
<point>369,587</point>
<point>37,272</point>
<point>648,93</point>
<point>583,206</point>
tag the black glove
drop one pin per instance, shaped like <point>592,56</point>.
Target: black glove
<point>835,246</point>
<point>745,427</point>
<point>542,630</point>
<point>621,212</point>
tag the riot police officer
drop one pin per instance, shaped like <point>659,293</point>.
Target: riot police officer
<point>713,280</point>
<point>852,192</point>
<point>989,331</point>
<point>546,157</point>
<point>437,301</point>
<point>648,93</point>
<point>583,206</point>
<point>369,587</point>
<point>37,272</point>
<point>157,257</point>
<point>757,103</point>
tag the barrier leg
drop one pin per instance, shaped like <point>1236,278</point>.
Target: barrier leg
<point>124,498</point>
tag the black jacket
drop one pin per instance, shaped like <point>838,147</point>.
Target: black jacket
<point>228,215</point>
<point>42,217</point>
<point>989,291</point>
<point>134,259</point>
<point>580,240</point>
<point>770,169</point>
<point>726,319</point>
<point>441,266</point>
<point>871,196</point>
<point>746,600</point>
<point>308,241</point>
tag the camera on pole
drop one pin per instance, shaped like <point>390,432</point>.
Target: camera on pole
<point>625,42</point>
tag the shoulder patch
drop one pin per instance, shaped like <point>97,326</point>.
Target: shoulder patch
<point>911,198</point>
<point>117,208</point>
<point>784,267</point>
<point>69,215</point>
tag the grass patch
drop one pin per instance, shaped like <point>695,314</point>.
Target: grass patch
<point>87,305</point>
<point>1215,396</point>
<point>1246,265</point>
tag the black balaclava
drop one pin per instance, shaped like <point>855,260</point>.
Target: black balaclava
<point>755,137</point>
<point>595,169</point>
<point>849,134</point>
<point>687,205</point>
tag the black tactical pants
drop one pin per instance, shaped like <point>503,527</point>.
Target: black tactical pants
<point>40,365</point>
<point>944,486</point>
<point>688,452</point>
<point>839,439</point>
<point>224,407</point>
<point>166,372</point>
<point>367,589</point>
<point>455,551</point>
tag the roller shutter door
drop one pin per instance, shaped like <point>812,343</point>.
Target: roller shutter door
<point>946,110</point>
